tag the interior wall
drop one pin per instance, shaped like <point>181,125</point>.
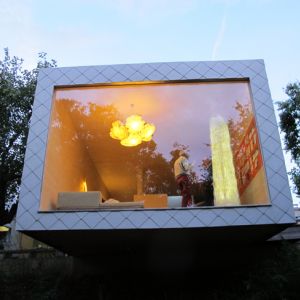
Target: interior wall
<point>101,186</point>
<point>67,163</point>
<point>257,191</point>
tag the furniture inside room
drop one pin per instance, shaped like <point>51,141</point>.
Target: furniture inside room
<point>91,201</point>
<point>152,200</point>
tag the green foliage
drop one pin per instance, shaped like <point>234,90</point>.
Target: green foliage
<point>17,88</point>
<point>276,277</point>
<point>290,125</point>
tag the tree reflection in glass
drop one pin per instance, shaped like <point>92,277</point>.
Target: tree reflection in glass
<point>80,147</point>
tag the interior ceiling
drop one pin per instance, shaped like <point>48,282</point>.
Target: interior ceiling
<point>117,175</point>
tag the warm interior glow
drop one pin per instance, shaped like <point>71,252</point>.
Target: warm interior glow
<point>118,131</point>
<point>133,132</point>
<point>80,148</point>
<point>84,186</point>
<point>135,123</point>
<point>132,140</point>
<point>224,179</point>
<point>147,132</point>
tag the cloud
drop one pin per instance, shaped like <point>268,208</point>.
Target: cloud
<point>219,38</point>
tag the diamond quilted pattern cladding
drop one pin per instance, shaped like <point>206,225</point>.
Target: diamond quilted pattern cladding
<point>280,211</point>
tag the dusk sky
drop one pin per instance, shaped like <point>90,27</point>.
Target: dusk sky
<point>97,32</point>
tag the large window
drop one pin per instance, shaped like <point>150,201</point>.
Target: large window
<point>211,121</point>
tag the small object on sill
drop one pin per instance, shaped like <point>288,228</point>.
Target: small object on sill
<point>152,200</point>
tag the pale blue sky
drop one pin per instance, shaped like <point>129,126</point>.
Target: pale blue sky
<point>95,32</point>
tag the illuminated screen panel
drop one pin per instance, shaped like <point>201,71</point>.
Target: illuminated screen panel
<point>91,147</point>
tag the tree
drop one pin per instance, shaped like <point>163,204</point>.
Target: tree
<point>290,124</point>
<point>17,88</point>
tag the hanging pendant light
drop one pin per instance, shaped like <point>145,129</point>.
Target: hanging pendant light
<point>147,132</point>
<point>118,131</point>
<point>134,132</point>
<point>132,140</point>
<point>135,123</point>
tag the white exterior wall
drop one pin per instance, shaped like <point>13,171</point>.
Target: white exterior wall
<point>279,211</point>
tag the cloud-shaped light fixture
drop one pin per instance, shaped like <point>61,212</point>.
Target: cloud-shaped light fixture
<point>134,132</point>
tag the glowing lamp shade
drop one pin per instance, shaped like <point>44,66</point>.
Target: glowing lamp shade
<point>135,123</point>
<point>147,132</point>
<point>118,131</point>
<point>134,132</point>
<point>83,187</point>
<point>132,140</point>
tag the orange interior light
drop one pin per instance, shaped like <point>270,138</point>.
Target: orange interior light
<point>84,186</point>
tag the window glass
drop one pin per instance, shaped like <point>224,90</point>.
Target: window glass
<point>211,122</point>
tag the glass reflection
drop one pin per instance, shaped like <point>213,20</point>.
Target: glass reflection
<point>213,122</point>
